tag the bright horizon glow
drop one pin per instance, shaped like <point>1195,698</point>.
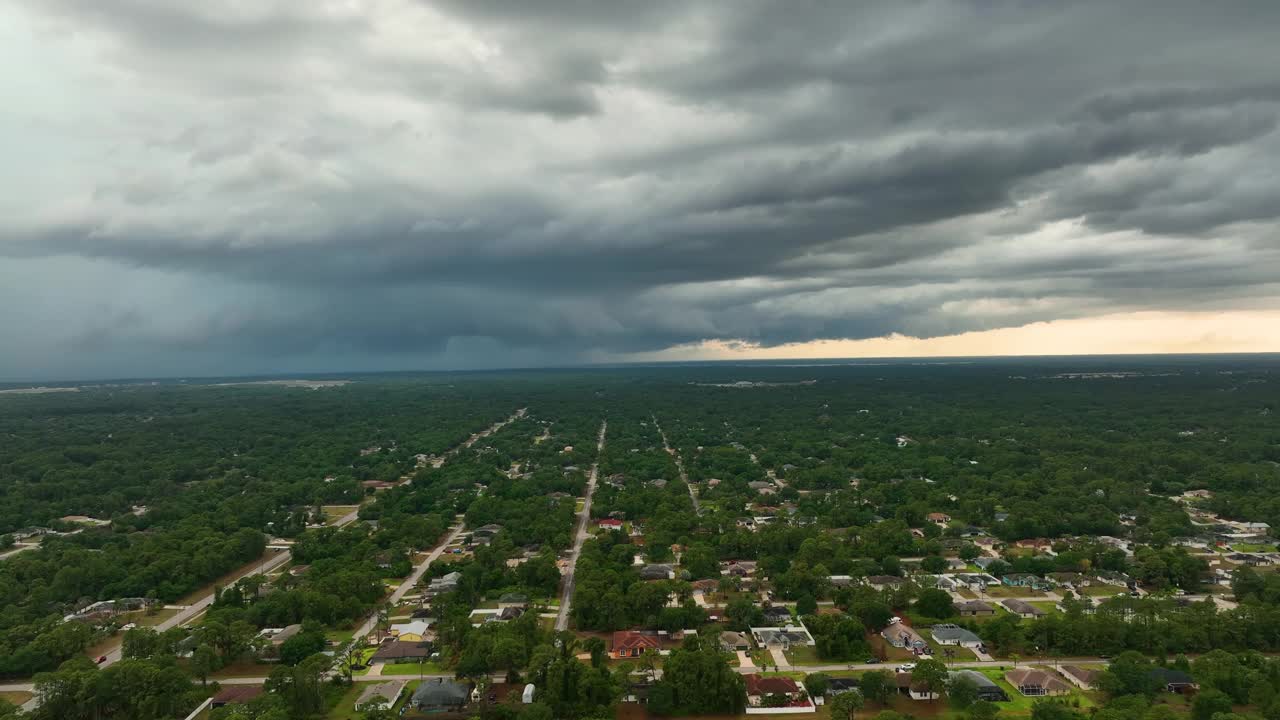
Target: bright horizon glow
<point>1136,333</point>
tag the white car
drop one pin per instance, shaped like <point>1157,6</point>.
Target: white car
<point>906,667</point>
<point>895,620</point>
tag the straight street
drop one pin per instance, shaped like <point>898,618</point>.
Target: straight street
<point>684,477</point>
<point>833,667</point>
<point>584,517</point>
<point>410,582</point>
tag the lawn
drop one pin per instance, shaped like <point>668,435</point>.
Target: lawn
<point>1252,548</point>
<point>244,668</point>
<point>1046,605</point>
<point>17,697</point>
<point>1004,591</point>
<point>426,668</point>
<point>804,655</point>
<point>334,513</point>
<point>1101,590</point>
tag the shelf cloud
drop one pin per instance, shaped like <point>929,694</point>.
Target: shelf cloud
<point>228,187</point>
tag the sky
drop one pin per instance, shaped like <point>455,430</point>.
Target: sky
<point>272,186</point>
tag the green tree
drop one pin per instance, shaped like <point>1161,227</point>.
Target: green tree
<point>1053,710</point>
<point>816,683</point>
<point>696,680</point>
<point>846,705</point>
<point>301,646</point>
<point>1209,703</point>
<point>962,692</point>
<point>983,710</point>
<point>377,711</point>
<point>204,660</point>
<point>934,564</point>
<point>1129,674</point>
<point>931,675</point>
<point>878,686</point>
<point>935,603</point>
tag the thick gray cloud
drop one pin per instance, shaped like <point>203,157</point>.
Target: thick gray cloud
<point>275,186</point>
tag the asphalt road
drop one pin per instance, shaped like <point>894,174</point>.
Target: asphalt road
<point>684,477</point>
<point>584,516</point>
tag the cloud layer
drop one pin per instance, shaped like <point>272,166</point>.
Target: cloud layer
<point>234,186</point>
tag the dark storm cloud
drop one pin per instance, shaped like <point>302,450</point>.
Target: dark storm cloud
<point>402,178</point>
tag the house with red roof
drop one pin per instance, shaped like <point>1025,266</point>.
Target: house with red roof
<point>633,643</point>
<point>775,692</point>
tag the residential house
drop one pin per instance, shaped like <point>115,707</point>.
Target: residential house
<point>985,561</point>
<point>383,693</point>
<point>733,641</point>
<point>987,688</point>
<point>401,651</point>
<point>841,685</point>
<point>938,518</point>
<point>974,608</point>
<point>444,584</point>
<point>903,636</point>
<point>1043,545</point>
<point>948,634</point>
<point>31,532</point>
<point>705,585</point>
<point>762,487</point>
<point>1022,609</point>
<point>513,600</point>
<point>511,612</point>
<point>1036,683</point>
<point>634,643</point>
<point>777,614</point>
<point>760,687</point>
<point>609,524</point>
<point>414,631</point>
<point>785,636</point>
<point>840,581</point>
<point>235,695</point>
<point>1082,678</point>
<point>440,695</point>
<point>279,636</point>
<point>657,572</point>
<point>1174,681</point>
<point>881,582</point>
<point>912,689</point>
<point>738,568</point>
<point>1118,579</point>
<point>1069,578</point>
<point>941,582</point>
<point>1026,580</point>
<point>1250,559</point>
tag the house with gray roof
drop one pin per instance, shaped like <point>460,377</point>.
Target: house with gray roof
<point>949,634</point>
<point>384,693</point>
<point>440,695</point>
<point>1022,608</point>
